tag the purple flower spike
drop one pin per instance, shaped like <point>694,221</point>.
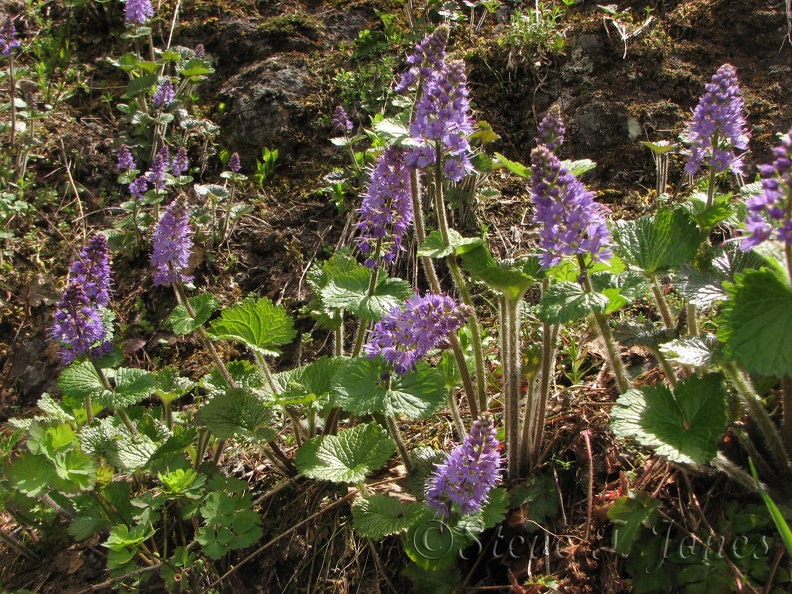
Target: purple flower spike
<point>8,40</point>
<point>429,55</point>
<point>78,326</point>
<point>125,158</point>
<point>409,332</point>
<point>769,212</point>
<point>469,472</point>
<point>159,167</point>
<point>551,130</point>
<point>138,11</point>
<point>172,243</point>
<point>718,125</point>
<point>165,94</point>
<point>180,163</point>
<point>386,210</point>
<point>199,51</point>
<point>234,164</point>
<point>341,120</point>
<point>572,223</point>
<point>92,271</point>
<point>139,187</point>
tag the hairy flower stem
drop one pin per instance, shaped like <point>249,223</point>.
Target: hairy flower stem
<point>459,424</point>
<point>393,429</point>
<point>549,341</point>
<point>711,180</point>
<point>12,84</point>
<point>434,283</point>
<point>619,372</point>
<point>526,437</point>
<point>667,369</point>
<point>786,386</point>
<point>459,281</point>
<point>692,321</point>
<point>361,333</point>
<point>759,416</point>
<point>511,362</point>
<point>262,365</point>
<point>662,305</point>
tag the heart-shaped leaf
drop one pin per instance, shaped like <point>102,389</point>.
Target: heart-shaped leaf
<point>348,457</point>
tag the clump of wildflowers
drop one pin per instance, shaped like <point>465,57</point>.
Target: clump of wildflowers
<point>408,333</point>
<point>572,223</point>
<point>78,317</point>
<point>199,51</point>
<point>234,164</point>
<point>386,210</point>
<point>769,212</point>
<point>8,39</point>
<point>718,126</point>
<point>180,163</point>
<point>341,120</point>
<point>551,129</point>
<point>164,95</point>
<point>469,472</point>
<point>171,245</point>
<point>138,11</point>
<point>92,270</point>
<point>125,158</point>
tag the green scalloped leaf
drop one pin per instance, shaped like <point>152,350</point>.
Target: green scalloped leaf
<point>132,386</point>
<point>202,305</point>
<point>348,457</point>
<point>30,474</point>
<point>684,425</point>
<point>238,414</point>
<point>362,389</point>
<point>308,382</point>
<point>564,302</point>
<point>80,379</point>
<point>170,385</point>
<point>389,293</point>
<point>381,515</point>
<point>435,247</point>
<point>659,242</point>
<point>259,324</point>
<point>629,514</point>
<point>512,278</point>
<point>755,324</point>
<point>514,166</point>
<point>694,351</point>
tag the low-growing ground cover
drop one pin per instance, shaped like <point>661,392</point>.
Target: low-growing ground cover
<point>441,297</point>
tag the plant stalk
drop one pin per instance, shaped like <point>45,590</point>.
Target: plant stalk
<point>623,382</point>
<point>662,305</point>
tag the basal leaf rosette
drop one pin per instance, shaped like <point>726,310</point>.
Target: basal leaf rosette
<point>348,457</point>
<point>684,425</point>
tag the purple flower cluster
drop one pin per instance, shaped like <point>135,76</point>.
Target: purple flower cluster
<point>718,125</point>
<point>572,223</point>
<point>125,158</point>
<point>92,271</point>
<point>386,210</point>
<point>769,212</point>
<point>551,129</point>
<point>171,245</point>
<point>8,39</point>
<point>159,168</point>
<point>442,121</point>
<point>139,187</point>
<point>78,317</point>
<point>180,163</point>
<point>164,95</point>
<point>469,472</point>
<point>341,120</point>
<point>138,11</point>
<point>409,332</point>
<point>429,56</point>
<point>199,51</point>
<point>234,164</point>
